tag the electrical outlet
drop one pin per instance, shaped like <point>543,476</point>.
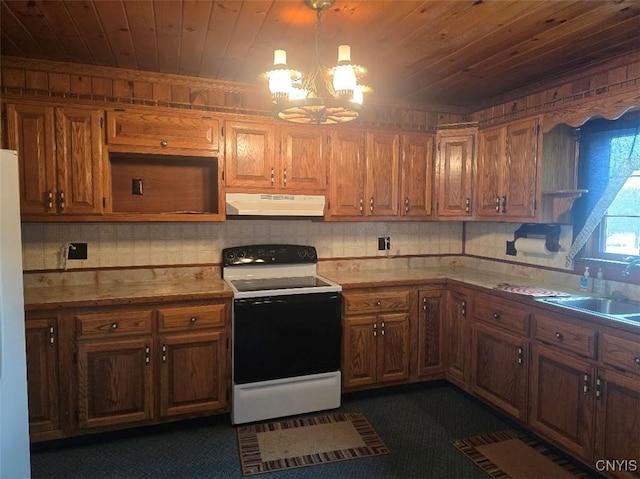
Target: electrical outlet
<point>136,186</point>
<point>384,243</point>
<point>77,251</point>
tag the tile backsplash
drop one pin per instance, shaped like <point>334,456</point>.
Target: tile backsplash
<point>148,244</point>
<point>488,240</point>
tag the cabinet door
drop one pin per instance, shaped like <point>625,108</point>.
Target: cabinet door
<point>430,333</point>
<point>519,172</point>
<point>490,164</point>
<point>562,400</point>
<point>151,132</point>
<point>455,176</point>
<point>304,159</point>
<point>79,142</point>
<point>417,179</point>
<point>456,342</point>
<point>394,347</point>
<point>42,375</point>
<point>499,369</point>
<point>115,382</point>
<point>250,156</point>
<point>192,373</point>
<point>382,163</point>
<point>618,422</point>
<point>30,131</point>
<point>359,351</point>
<point>347,172</point>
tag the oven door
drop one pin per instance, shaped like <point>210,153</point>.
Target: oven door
<point>278,337</point>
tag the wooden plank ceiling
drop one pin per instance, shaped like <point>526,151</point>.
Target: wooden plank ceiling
<point>456,52</point>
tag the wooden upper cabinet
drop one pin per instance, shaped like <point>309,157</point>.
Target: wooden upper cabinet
<point>382,163</point>
<point>250,155</point>
<point>147,131</point>
<point>60,158</point>
<point>30,131</point>
<point>304,155</point>
<point>507,172</point>
<point>261,157</point>
<point>490,162</point>
<point>79,159</point>
<point>519,180</point>
<point>455,166</point>
<point>416,176</point>
<point>347,173</point>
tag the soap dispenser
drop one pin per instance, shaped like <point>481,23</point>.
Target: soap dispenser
<point>599,284</point>
<point>585,280</point>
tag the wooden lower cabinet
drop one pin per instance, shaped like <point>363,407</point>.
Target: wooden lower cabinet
<point>43,376</point>
<point>115,382</point>
<point>124,366</point>
<point>457,328</point>
<point>562,403</point>
<point>430,333</point>
<point>192,373</point>
<point>499,369</point>
<point>376,343</point>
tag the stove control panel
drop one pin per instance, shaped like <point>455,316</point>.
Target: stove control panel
<point>268,254</point>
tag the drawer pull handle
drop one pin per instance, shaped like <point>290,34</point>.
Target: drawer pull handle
<point>637,361</point>
<point>114,325</point>
<point>559,336</point>
<point>193,319</point>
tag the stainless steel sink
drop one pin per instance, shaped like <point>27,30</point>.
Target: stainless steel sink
<point>627,310</point>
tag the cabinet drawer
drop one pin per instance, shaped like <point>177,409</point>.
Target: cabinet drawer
<point>620,353</point>
<point>191,317</point>
<point>566,336</point>
<point>118,323</point>
<point>163,131</point>
<point>497,313</point>
<point>376,302</point>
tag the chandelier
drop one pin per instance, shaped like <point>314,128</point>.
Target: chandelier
<point>324,96</point>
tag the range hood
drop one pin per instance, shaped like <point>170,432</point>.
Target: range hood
<point>250,204</point>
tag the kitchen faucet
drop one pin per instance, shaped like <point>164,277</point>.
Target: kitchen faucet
<point>632,261</point>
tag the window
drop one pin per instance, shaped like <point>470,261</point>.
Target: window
<point>620,227</point>
<point>610,170</point>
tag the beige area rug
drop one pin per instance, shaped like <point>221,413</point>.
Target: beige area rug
<point>509,454</point>
<point>290,443</point>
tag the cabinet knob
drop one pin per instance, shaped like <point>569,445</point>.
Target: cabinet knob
<point>378,303</point>
<point>496,316</point>
<point>164,143</point>
<point>559,336</point>
<point>637,361</point>
<point>193,319</point>
<point>114,325</point>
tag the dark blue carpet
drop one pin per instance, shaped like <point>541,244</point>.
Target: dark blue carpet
<point>418,423</point>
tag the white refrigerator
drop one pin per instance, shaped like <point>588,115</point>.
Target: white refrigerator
<point>14,416</point>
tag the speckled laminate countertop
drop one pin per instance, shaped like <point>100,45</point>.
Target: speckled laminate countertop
<point>108,294</point>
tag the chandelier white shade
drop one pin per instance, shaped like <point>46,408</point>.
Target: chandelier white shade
<point>323,96</point>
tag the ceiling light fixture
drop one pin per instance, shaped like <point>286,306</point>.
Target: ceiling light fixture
<point>325,96</point>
